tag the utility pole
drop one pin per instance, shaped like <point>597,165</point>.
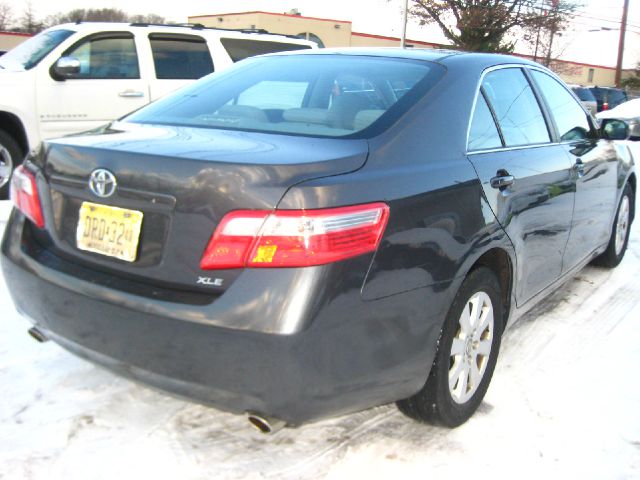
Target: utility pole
<point>623,31</point>
<point>403,40</point>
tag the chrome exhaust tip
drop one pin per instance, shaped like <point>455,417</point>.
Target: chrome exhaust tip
<point>265,424</point>
<point>37,335</point>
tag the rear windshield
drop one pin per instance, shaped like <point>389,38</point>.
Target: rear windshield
<point>316,95</point>
<point>584,94</point>
<point>241,48</point>
<point>28,54</point>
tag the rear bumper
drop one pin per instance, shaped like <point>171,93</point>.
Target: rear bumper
<point>350,355</point>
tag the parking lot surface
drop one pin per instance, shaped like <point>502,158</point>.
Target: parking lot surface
<point>564,401</point>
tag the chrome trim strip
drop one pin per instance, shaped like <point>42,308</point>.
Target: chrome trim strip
<point>509,149</point>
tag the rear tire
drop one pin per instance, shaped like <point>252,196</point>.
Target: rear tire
<point>619,238</point>
<point>10,157</point>
<point>465,357</point>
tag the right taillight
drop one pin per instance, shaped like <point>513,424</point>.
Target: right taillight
<point>295,238</point>
<point>24,194</point>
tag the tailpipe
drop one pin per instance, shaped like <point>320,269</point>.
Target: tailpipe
<point>37,334</point>
<point>265,424</point>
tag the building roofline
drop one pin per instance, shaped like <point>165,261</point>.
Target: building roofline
<point>384,37</point>
<point>16,34</point>
<point>271,13</point>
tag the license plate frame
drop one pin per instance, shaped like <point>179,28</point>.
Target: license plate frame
<point>110,231</point>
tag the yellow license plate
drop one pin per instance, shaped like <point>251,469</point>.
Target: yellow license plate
<point>110,231</point>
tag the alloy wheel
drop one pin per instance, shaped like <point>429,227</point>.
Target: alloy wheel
<point>622,224</point>
<point>471,347</point>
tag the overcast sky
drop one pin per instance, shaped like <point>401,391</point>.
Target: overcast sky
<point>383,17</point>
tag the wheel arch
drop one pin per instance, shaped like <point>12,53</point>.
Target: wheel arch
<point>499,261</point>
<point>11,124</point>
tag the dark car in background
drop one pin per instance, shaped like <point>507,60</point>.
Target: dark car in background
<point>608,97</point>
<point>586,98</point>
<point>306,235</point>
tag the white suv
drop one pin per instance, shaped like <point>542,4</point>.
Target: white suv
<point>76,77</point>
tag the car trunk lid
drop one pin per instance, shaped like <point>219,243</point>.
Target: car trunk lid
<point>183,181</point>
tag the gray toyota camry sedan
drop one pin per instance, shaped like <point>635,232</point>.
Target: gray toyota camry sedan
<point>310,234</point>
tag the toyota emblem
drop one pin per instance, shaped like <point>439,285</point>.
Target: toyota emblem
<point>102,183</point>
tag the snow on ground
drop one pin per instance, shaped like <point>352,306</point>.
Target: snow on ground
<point>564,401</point>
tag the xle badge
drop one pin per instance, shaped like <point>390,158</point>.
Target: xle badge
<point>216,282</point>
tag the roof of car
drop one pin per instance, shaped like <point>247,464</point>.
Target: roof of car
<point>430,54</point>
<point>177,28</point>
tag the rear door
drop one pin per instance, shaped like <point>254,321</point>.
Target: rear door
<point>109,86</point>
<point>526,177</point>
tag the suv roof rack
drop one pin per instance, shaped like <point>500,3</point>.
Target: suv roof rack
<point>199,26</point>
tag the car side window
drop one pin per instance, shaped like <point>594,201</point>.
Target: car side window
<point>516,107</point>
<point>241,48</point>
<point>107,57</point>
<point>483,133</point>
<point>180,57</point>
<point>569,117</point>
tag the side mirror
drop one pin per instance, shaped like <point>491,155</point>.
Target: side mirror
<point>65,67</point>
<point>614,129</point>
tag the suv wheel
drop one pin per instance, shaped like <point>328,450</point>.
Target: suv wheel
<point>465,357</point>
<point>10,158</point>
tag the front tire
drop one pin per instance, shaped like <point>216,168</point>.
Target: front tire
<point>10,158</point>
<point>619,238</point>
<point>465,357</point>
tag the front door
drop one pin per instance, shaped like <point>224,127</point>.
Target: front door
<point>108,86</point>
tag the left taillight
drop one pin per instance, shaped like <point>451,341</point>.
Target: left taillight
<point>295,238</point>
<point>24,194</point>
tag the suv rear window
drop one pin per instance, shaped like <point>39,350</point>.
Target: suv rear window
<point>180,57</point>
<point>584,94</point>
<point>316,95</point>
<point>241,48</point>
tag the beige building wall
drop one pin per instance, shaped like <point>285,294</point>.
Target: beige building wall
<point>338,33</point>
<point>333,33</point>
<point>583,74</point>
<point>8,40</point>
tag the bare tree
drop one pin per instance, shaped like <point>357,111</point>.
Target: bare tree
<point>29,23</point>
<point>101,15</point>
<point>148,18</point>
<point>633,81</point>
<point>554,24</point>
<point>6,16</point>
<point>488,25</point>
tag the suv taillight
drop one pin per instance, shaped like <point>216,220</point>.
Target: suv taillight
<point>24,194</point>
<point>295,238</point>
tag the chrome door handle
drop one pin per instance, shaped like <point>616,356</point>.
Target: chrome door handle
<point>578,166</point>
<point>502,181</point>
<point>131,94</point>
